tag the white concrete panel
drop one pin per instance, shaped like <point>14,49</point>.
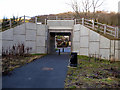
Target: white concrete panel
<point>76,36</point>
<point>7,44</point>
<point>0,35</point>
<point>41,50</point>
<point>84,41</point>
<point>112,47</point>
<point>19,29</point>
<point>30,35</point>
<point>93,47</point>
<point>117,55</point>
<point>117,44</point>
<point>76,27</point>
<point>31,44</point>
<point>8,34</point>
<point>84,51</point>
<point>31,26</point>
<point>60,22</point>
<point>76,46</point>
<point>104,42</point>
<point>40,40</point>
<point>41,29</point>
<point>0,47</point>
<point>105,53</point>
<point>84,31</point>
<point>19,39</point>
<point>94,36</point>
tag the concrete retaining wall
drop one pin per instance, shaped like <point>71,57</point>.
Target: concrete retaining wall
<point>30,34</point>
<point>86,41</point>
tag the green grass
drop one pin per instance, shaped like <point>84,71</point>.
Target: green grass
<point>92,74</point>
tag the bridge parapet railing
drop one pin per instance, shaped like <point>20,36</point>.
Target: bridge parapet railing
<point>99,27</point>
<point>59,18</point>
<point>10,23</point>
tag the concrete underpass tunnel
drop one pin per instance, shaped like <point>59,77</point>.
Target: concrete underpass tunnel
<point>60,42</point>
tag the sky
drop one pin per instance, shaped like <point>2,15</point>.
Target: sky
<point>8,8</point>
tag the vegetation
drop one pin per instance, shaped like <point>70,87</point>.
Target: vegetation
<point>93,74</point>
<point>6,22</point>
<point>17,56</point>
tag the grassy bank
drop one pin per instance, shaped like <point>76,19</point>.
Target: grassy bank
<point>93,74</point>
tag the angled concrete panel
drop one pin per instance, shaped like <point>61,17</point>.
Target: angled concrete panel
<point>19,39</point>
<point>76,36</point>
<point>94,36</point>
<point>30,35</point>
<point>84,31</point>
<point>7,44</point>
<point>41,29</point>
<point>84,51</point>
<point>30,26</point>
<point>94,48</point>
<point>117,44</point>
<point>19,30</point>
<point>8,34</point>
<point>84,41</point>
<point>76,47</point>
<point>31,44</point>
<point>40,41</point>
<point>104,42</point>
<point>76,27</point>
<point>117,55</point>
<point>105,53</point>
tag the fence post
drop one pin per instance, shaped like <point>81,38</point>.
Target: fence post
<point>45,21</point>
<point>10,23</point>
<point>93,24</point>
<point>56,17</point>
<point>105,28</point>
<point>115,32</point>
<point>75,21</point>
<point>36,20</point>
<point>24,18</point>
<point>82,21</point>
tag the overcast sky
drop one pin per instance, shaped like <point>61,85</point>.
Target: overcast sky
<point>9,8</point>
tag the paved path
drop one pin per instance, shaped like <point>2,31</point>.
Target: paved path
<point>47,72</point>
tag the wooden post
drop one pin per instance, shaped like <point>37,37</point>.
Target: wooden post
<point>24,18</point>
<point>10,23</point>
<point>105,28</point>
<point>36,20</point>
<point>45,21</point>
<point>115,32</point>
<point>93,24</point>
<point>75,21</point>
<point>82,21</point>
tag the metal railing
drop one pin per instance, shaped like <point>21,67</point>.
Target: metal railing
<point>99,27</point>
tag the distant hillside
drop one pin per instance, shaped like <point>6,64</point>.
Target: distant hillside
<point>100,16</point>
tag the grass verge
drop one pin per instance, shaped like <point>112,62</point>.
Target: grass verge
<point>93,74</point>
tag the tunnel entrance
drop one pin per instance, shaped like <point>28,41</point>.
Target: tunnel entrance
<point>60,42</point>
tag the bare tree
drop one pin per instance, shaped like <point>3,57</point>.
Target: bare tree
<point>96,4</point>
<point>86,6</point>
<point>76,7</point>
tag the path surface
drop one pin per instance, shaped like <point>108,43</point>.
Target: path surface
<point>48,72</point>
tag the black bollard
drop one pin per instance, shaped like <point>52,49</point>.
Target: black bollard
<point>73,59</point>
<point>59,52</point>
<point>63,50</point>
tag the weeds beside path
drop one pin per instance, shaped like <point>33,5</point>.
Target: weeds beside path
<point>93,74</point>
<point>17,61</point>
